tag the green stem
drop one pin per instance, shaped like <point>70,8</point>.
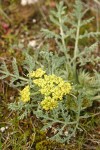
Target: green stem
<point>9,74</point>
<point>77,120</point>
<point>58,121</point>
<point>76,42</point>
<point>62,37</point>
<point>35,93</point>
<point>76,49</point>
<point>22,78</point>
<point>78,115</point>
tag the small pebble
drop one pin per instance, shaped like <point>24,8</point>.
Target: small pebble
<point>66,133</point>
<point>2,129</point>
<point>34,20</point>
<point>28,2</point>
<point>11,97</point>
<point>32,43</point>
<point>6,127</point>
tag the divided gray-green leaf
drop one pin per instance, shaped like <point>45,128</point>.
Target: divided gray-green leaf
<point>15,68</point>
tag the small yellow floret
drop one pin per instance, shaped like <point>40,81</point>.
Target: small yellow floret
<point>49,103</point>
<point>25,94</point>
<point>38,73</point>
<point>40,82</point>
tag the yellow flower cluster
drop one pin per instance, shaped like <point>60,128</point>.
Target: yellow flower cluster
<point>49,103</point>
<point>38,73</point>
<point>25,94</point>
<point>53,88</point>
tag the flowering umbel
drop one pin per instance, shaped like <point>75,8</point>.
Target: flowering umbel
<point>53,88</point>
<point>25,94</point>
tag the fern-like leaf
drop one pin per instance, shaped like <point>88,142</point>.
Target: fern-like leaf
<point>15,68</point>
<point>88,35</point>
<point>50,34</point>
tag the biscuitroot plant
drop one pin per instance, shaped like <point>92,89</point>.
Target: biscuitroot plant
<point>52,87</point>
